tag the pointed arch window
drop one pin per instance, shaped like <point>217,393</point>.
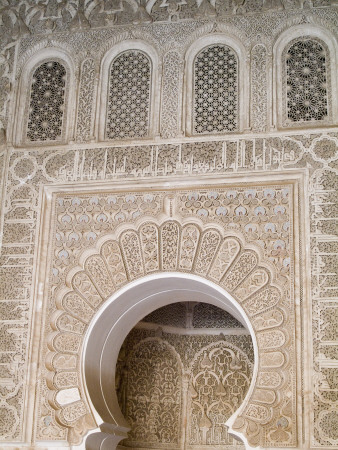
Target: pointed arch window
<point>129,91</point>
<point>47,100</point>
<point>215,90</point>
<point>306,82</point>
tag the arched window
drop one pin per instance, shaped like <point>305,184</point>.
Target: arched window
<point>306,81</point>
<point>215,90</point>
<point>128,105</point>
<point>47,100</point>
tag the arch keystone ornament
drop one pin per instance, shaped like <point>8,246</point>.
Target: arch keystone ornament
<point>144,266</point>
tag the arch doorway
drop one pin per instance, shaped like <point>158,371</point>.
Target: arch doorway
<point>109,329</point>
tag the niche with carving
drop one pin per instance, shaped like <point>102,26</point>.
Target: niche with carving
<point>181,373</point>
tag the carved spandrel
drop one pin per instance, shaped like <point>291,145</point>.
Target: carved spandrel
<point>77,307</point>
<point>269,319</point>
<point>255,281</point>
<point>84,285</point>
<point>65,379</point>
<point>269,379</point>
<point>245,264</point>
<point>67,343</point>
<point>271,339</point>
<point>265,299</point>
<point>66,322</point>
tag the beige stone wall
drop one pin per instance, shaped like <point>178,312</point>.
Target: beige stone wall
<point>71,209</point>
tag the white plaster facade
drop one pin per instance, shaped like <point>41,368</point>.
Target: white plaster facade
<point>97,233</point>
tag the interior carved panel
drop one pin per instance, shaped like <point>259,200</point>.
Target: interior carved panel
<point>220,378</point>
<point>151,395</point>
<point>207,385</point>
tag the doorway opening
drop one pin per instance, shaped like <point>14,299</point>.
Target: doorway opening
<point>170,359</point>
<point>181,373</point>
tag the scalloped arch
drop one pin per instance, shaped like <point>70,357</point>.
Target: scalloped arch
<point>151,247</point>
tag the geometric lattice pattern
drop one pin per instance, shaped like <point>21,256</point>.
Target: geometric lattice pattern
<point>215,101</point>
<point>306,81</point>
<point>47,101</point>
<point>129,96</point>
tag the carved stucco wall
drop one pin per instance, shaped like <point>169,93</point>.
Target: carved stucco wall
<point>211,373</point>
<point>206,238</point>
<point>30,175</point>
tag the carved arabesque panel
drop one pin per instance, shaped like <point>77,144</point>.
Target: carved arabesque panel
<point>85,112</point>
<point>259,88</point>
<point>171,92</point>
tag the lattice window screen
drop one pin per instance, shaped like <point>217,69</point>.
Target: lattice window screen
<point>306,79</point>
<point>47,103</point>
<point>128,109</point>
<point>215,91</point>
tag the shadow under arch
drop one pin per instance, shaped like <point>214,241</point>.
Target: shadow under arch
<point>110,326</point>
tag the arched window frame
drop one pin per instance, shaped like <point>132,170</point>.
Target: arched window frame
<point>282,44</point>
<point>243,81</point>
<point>24,94</point>
<point>102,101</point>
